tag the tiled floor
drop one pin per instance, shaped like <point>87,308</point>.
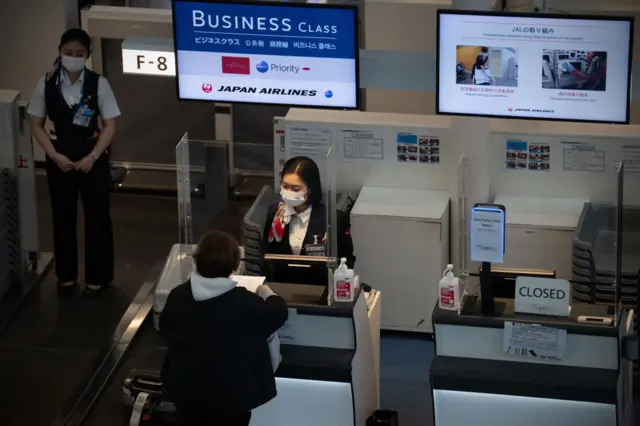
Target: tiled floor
<point>53,342</point>
<point>404,378</point>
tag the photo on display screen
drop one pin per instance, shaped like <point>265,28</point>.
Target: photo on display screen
<point>262,52</point>
<point>585,60</point>
<point>487,66</point>
<point>574,70</point>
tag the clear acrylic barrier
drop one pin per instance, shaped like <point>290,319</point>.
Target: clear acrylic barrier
<point>205,202</point>
<point>205,199</point>
<point>463,217</point>
<point>323,243</point>
<point>628,236</point>
<point>560,214</point>
<point>595,255</point>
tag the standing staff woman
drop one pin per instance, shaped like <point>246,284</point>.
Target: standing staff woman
<point>74,99</point>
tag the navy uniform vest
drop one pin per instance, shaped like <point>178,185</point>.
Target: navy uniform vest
<point>75,142</point>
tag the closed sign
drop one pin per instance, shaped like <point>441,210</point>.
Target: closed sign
<point>542,296</point>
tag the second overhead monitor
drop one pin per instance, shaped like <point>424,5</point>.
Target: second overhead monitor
<point>267,53</point>
<point>551,67</point>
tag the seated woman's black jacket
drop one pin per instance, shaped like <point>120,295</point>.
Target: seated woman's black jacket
<point>317,226</point>
<point>218,357</point>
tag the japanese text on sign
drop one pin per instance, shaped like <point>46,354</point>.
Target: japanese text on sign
<point>532,30</point>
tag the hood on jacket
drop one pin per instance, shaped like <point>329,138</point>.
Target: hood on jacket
<point>207,288</point>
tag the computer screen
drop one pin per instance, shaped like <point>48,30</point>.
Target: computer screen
<point>302,54</point>
<point>548,67</point>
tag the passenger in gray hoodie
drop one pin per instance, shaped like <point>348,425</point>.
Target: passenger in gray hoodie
<point>218,366</point>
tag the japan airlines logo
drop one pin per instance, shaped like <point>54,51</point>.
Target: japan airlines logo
<point>207,88</point>
<point>236,65</point>
<point>510,109</point>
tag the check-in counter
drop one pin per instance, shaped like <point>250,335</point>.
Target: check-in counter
<point>329,374</point>
<point>480,376</point>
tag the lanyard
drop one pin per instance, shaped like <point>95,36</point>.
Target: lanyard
<point>80,101</point>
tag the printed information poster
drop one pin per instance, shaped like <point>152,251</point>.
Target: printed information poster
<point>522,155</point>
<point>582,157</point>
<point>309,142</point>
<point>418,149</point>
<point>631,158</point>
<point>362,144</point>
<point>534,341</point>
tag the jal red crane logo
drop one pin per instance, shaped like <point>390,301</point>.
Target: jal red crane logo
<point>207,88</point>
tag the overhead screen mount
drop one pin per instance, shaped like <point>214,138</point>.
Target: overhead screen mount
<point>534,66</point>
<point>262,52</point>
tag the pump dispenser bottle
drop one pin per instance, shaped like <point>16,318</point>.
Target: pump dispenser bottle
<point>449,290</point>
<point>343,283</point>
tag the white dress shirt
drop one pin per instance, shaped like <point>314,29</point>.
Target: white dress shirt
<point>483,76</point>
<point>298,230</point>
<point>72,92</point>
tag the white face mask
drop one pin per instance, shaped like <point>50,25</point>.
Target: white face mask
<point>484,55</point>
<point>73,64</point>
<point>293,199</point>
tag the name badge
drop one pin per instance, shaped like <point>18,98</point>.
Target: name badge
<point>315,249</point>
<point>83,116</point>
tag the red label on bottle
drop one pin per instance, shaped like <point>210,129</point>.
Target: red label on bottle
<point>343,290</point>
<point>447,297</point>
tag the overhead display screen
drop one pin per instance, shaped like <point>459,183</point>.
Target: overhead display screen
<point>267,53</point>
<point>572,68</point>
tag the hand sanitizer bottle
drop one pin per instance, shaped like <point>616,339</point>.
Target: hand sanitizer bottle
<point>449,290</point>
<point>343,283</point>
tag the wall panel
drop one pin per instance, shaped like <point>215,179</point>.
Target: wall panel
<point>152,119</point>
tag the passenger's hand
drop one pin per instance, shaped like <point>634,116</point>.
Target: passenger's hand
<point>63,162</point>
<point>85,164</point>
<point>264,291</point>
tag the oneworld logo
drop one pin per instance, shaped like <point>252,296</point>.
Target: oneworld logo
<point>200,19</point>
<point>263,67</point>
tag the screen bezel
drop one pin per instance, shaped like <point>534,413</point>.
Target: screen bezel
<point>629,19</point>
<point>356,27</point>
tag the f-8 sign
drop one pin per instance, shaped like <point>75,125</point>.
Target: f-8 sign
<point>148,62</point>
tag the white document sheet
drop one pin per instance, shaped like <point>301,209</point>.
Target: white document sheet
<point>250,283</point>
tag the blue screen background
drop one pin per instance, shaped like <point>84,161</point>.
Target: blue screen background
<point>289,43</point>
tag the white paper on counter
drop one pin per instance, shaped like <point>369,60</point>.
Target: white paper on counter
<point>248,282</point>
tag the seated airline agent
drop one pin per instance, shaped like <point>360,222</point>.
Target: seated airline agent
<point>298,224</point>
<point>77,162</point>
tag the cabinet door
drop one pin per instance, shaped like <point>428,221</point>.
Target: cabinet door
<point>403,260</point>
